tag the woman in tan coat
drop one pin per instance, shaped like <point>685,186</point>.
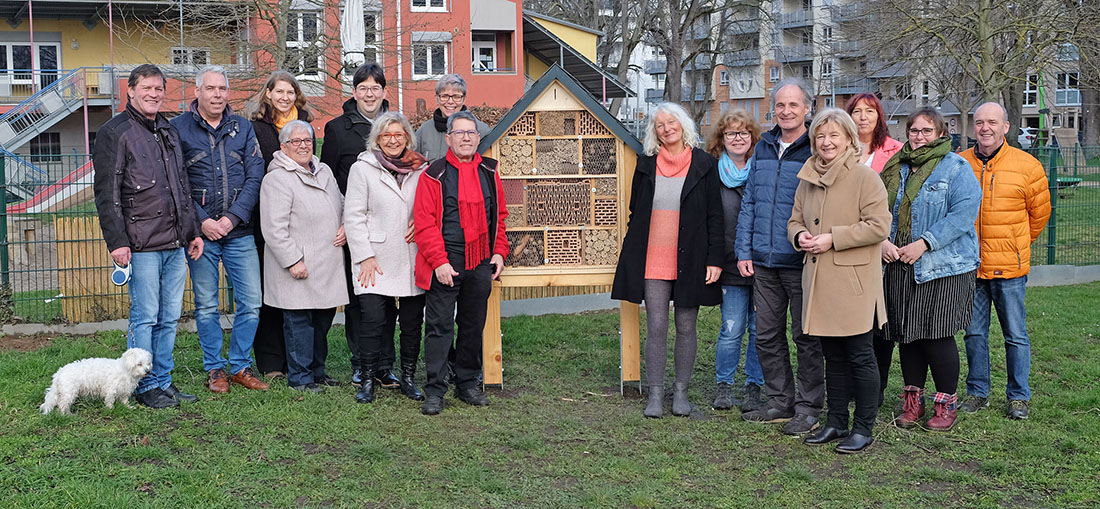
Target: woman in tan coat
<point>301,212</point>
<point>839,219</point>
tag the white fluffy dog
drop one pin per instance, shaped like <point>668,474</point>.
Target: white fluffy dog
<point>111,379</point>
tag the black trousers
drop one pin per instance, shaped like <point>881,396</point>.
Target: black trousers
<point>774,291</point>
<point>270,343</point>
<point>851,370</point>
<point>352,328</point>
<point>306,343</point>
<point>470,294</point>
<point>940,356</point>
<point>379,317</point>
<point>884,357</point>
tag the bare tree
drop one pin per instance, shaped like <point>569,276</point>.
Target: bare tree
<point>1087,42</point>
<point>992,46</point>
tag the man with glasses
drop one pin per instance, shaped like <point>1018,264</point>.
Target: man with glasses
<point>1015,208</point>
<point>450,95</point>
<point>225,167</point>
<point>459,216</point>
<point>345,137</point>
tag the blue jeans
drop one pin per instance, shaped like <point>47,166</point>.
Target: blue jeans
<point>738,316</point>
<point>1007,295</point>
<point>156,300</point>
<point>242,266</point>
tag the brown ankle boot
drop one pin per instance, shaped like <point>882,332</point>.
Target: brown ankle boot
<point>945,409</point>
<point>912,398</point>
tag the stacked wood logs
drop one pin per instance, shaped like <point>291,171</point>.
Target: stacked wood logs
<point>600,247</point>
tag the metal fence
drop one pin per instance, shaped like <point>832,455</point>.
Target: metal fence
<point>55,266</point>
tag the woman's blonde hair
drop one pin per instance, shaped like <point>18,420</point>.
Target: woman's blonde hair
<point>731,118</point>
<point>650,143</point>
<point>841,119</point>
<point>383,121</point>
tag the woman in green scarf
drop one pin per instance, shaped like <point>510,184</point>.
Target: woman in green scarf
<point>931,257</point>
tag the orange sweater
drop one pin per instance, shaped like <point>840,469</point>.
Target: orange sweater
<point>664,222</point>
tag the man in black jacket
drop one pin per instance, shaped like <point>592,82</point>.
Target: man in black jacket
<point>147,217</point>
<point>345,137</point>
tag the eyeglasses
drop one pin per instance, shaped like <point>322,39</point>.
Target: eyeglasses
<point>373,90</point>
<point>927,131</point>
<point>391,136</point>
<point>451,97</point>
<point>300,142</point>
<point>732,135</point>
<point>464,134</point>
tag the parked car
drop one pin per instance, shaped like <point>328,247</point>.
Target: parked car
<point>1027,136</point>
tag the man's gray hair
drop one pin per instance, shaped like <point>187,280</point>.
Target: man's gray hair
<point>460,115</point>
<point>294,125</point>
<point>807,94</point>
<point>217,69</point>
<point>383,121</point>
<point>651,142</point>
<point>450,81</point>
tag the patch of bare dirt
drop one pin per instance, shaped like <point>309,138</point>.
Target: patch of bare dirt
<point>25,343</point>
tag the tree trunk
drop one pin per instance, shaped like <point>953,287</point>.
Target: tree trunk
<point>1014,104</point>
<point>1090,124</point>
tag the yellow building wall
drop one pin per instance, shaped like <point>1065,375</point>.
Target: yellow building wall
<point>584,42</point>
<point>134,43</point>
<point>534,67</point>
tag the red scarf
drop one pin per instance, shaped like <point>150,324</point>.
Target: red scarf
<point>471,209</point>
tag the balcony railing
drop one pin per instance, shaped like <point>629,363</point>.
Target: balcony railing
<point>654,95</point>
<point>741,58</point>
<point>696,96</point>
<point>655,66</point>
<point>848,49</point>
<point>17,85</point>
<point>846,12</point>
<point>745,26</point>
<point>851,85</point>
<point>796,19</point>
<point>798,53</point>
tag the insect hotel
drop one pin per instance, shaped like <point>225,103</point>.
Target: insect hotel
<point>566,165</point>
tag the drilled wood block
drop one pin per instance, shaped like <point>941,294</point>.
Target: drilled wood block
<point>558,123</point>
<point>606,212</point>
<point>590,126</point>
<point>600,247</point>
<point>563,247</point>
<point>517,156</point>
<point>606,187</point>
<point>598,156</point>
<point>525,126</point>
<point>526,249</point>
<point>549,203</point>
<point>556,157</point>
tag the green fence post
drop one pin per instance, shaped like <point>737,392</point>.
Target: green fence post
<point>1075,150</point>
<point>1052,182</point>
<point>4,276</point>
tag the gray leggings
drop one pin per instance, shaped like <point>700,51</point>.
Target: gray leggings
<point>658,293</point>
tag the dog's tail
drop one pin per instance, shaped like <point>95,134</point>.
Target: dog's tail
<point>50,403</point>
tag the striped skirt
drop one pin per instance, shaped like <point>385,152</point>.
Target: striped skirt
<point>935,309</point>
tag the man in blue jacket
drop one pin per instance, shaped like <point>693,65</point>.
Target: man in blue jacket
<point>225,168</point>
<point>776,267</point>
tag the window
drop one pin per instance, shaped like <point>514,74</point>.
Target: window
<point>902,91</point>
<point>484,47</point>
<point>723,78</point>
<point>724,106</point>
<point>807,72</point>
<point>807,37</point>
<point>372,22</point>
<point>304,53</point>
<point>659,81</point>
<point>1031,90</point>
<point>429,60</point>
<point>863,68</point>
<point>925,92</point>
<point>827,33</point>
<point>1068,53</point>
<point>828,101</point>
<point>706,119</point>
<point>46,147</point>
<point>773,74</point>
<point>807,4</point>
<point>826,70</point>
<point>192,57</point>
<point>429,5</point>
<point>1066,92</point>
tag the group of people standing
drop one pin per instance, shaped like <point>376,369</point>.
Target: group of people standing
<point>866,240</point>
<point>395,235</point>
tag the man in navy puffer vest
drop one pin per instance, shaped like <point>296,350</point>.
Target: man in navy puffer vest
<point>225,168</point>
<point>776,267</point>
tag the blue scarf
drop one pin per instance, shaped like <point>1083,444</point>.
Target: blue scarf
<point>731,176</point>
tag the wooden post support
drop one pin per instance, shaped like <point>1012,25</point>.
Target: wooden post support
<point>491,349</point>
<point>629,344</point>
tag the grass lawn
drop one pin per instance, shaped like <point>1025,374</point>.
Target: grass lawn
<point>557,435</point>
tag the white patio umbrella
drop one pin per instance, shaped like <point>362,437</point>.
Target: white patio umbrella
<point>352,32</point>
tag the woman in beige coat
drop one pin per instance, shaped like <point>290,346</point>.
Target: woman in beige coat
<point>840,219</point>
<point>378,218</point>
<point>301,212</point>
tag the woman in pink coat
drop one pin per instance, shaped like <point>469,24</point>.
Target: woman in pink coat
<point>874,138</point>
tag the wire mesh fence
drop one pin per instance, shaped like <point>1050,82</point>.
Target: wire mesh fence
<point>55,267</point>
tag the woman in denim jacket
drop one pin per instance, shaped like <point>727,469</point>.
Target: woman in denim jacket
<point>931,257</point>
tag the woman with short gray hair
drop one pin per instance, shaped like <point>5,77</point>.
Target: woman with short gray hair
<point>301,212</point>
<point>450,95</point>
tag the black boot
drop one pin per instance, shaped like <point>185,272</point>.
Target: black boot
<point>408,382</point>
<point>366,390</point>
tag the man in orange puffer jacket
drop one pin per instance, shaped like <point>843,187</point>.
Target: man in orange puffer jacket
<point>1015,208</point>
